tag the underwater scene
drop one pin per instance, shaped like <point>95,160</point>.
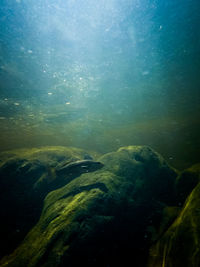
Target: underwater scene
<point>99,133</point>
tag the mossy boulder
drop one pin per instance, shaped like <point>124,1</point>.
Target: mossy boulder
<point>147,170</point>
<point>180,244</point>
<point>101,218</point>
<point>26,177</point>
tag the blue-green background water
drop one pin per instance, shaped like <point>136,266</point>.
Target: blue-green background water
<point>101,74</point>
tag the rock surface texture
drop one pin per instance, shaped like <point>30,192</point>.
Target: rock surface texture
<point>180,244</point>
<point>102,216</point>
<point>61,207</point>
<point>26,177</point>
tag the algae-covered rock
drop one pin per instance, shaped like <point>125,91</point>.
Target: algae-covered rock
<point>151,175</point>
<point>180,245</point>
<point>26,176</point>
<point>101,218</point>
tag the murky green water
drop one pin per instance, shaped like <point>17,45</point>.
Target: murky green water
<point>101,74</point>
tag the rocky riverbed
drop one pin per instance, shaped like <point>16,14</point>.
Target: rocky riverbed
<point>63,206</point>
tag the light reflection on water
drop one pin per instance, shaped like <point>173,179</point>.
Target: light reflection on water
<point>100,75</point>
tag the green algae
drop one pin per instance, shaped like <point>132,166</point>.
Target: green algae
<point>180,244</point>
<point>94,213</point>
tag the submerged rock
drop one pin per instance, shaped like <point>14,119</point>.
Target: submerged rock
<point>26,177</point>
<point>186,182</point>
<point>180,244</point>
<point>102,218</point>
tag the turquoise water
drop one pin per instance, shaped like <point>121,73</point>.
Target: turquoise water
<point>101,74</point>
